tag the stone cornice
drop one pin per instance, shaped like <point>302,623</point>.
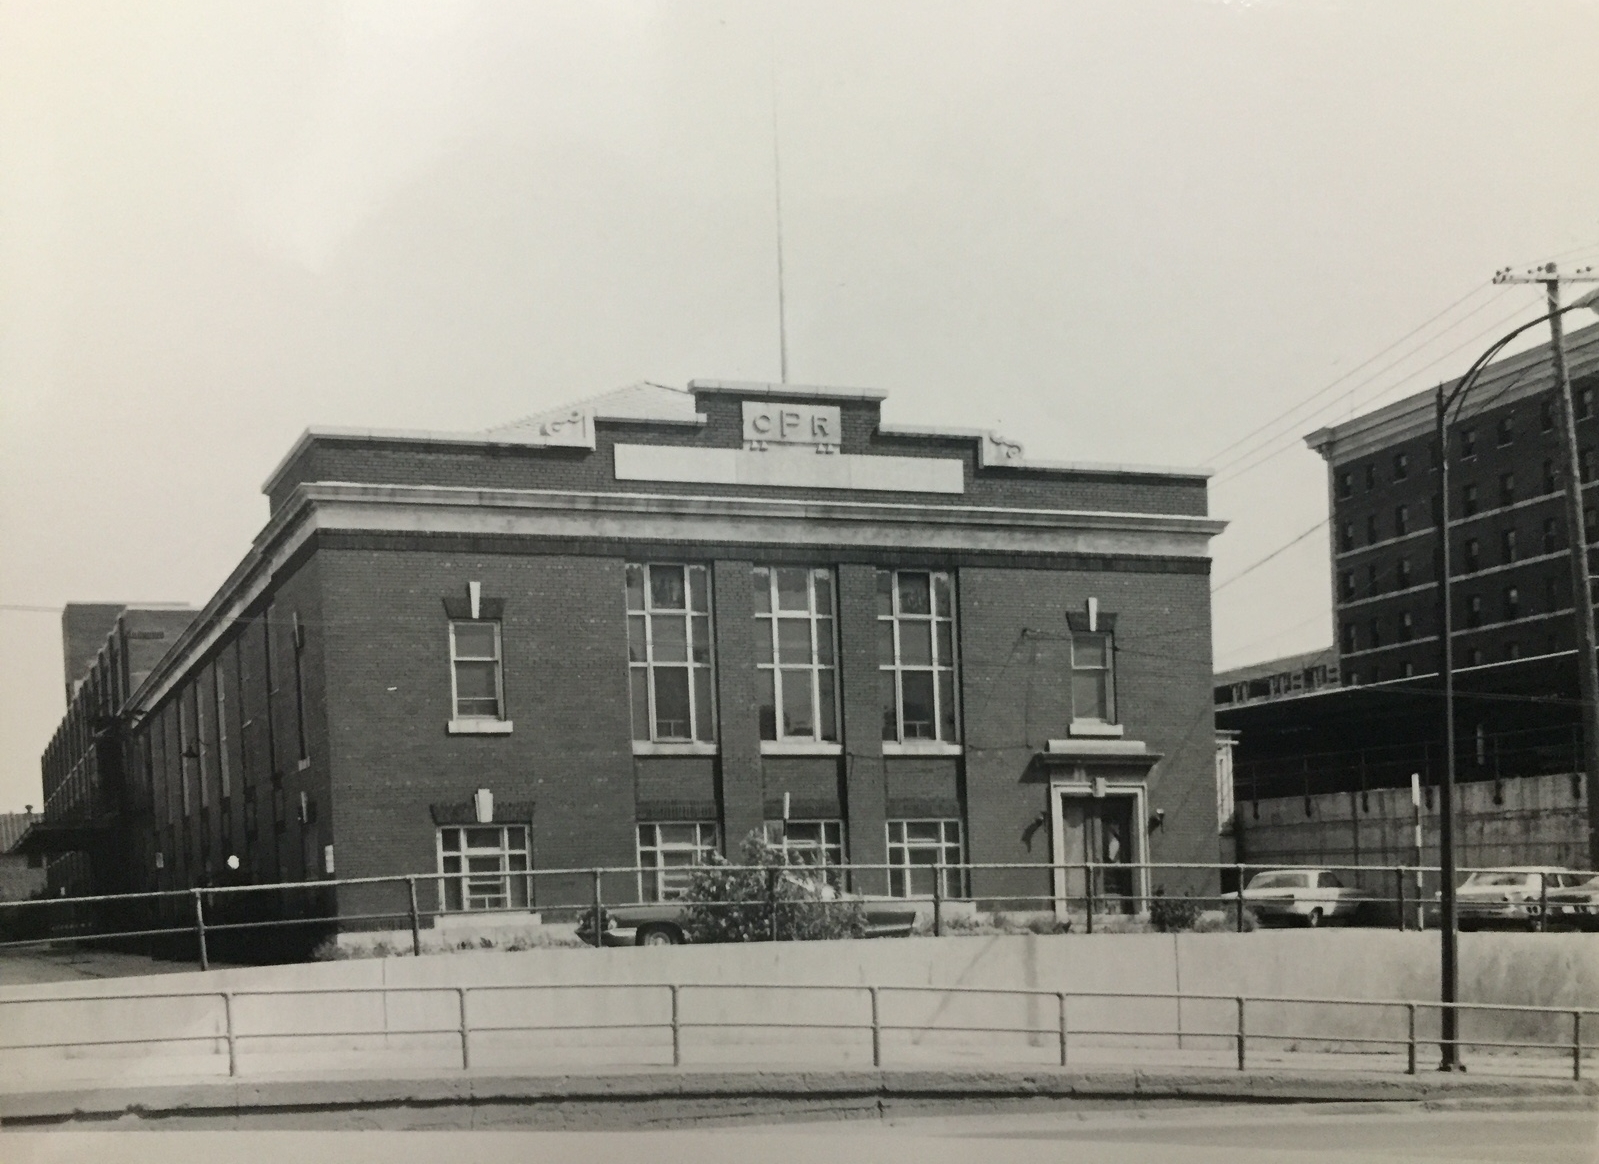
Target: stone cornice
<point>675,518</point>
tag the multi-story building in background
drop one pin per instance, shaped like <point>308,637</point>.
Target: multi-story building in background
<point>637,630</point>
<point>84,834</point>
<point>1373,717</point>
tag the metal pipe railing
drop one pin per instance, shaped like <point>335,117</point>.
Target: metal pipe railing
<point>214,909</point>
<point>229,1036</point>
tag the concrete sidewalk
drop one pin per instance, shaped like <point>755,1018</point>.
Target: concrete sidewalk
<point>675,1097</point>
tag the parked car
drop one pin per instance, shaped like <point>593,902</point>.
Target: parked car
<point>659,923</point>
<point>1576,906</point>
<point>1310,897</point>
<point>1512,897</point>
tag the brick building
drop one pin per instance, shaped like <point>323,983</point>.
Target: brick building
<point>643,627</point>
<point>1336,728</point>
<point>83,835</point>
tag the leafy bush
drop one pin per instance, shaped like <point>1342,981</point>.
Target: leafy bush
<point>727,903</point>
<point>1169,915</point>
<point>1225,922</point>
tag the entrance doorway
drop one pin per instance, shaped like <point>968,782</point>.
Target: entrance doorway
<point>1097,824</point>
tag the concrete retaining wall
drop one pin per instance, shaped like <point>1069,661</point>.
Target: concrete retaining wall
<point>416,1027</point>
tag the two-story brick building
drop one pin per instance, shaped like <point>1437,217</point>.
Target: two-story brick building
<point>639,629</point>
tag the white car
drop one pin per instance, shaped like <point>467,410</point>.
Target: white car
<point>1512,896</point>
<point>1310,897</point>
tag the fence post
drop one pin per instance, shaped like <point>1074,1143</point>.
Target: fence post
<point>1241,1036</point>
<point>1060,998</point>
<point>199,930</point>
<point>416,920</point>
<point>599,928</point>
<point>1399,897</point>
<point>1410,1038</point>
<point>1543,903</point>
<point>771,903</point>
<point>938,900</point>
<point>877,1031</point>
<point>1088,893</point>
<point>1238,870</point>
<point>466,1050</point>
<point>233,1046</point>
<point>1576,1045</point>
<point>677,1032</point>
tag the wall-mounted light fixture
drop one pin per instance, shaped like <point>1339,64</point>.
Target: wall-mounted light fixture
<point>1157,819</point>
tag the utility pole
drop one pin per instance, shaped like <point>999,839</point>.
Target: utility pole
<point>1581,578</point>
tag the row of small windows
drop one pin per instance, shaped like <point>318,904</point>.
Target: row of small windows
<point>490,867</point>
<point>670,670</point>
<point>1470,657</point>
<point>1472,559</point>
<point>1380,631</point>
<point>1470,503</point>
<point>1466,442</point>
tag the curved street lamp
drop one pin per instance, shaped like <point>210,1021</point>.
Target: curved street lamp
<point>1577,540</point>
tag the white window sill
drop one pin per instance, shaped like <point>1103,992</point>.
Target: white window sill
<point>1095,729</point>
<point>921,748</point>
<point>648,748</point>
<point>800,748</point>
<point>479,727</point>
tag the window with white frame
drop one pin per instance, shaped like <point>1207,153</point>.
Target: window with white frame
<point>669,653</point>
<point>1093,679</point>
<point>484,867</point>
<point>795,651</point>
<point>476,678</point>
<point>818,844</point>
<point>668,853</point>
<point>916,655</point>
<point>916,849</point>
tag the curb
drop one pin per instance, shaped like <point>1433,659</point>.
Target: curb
<point>701,1097</point>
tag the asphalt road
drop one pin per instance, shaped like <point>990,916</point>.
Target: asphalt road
<point>1346,1134</point>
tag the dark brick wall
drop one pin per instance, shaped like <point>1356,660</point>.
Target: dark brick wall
<point>1016,690</point>
<point>377,673</point>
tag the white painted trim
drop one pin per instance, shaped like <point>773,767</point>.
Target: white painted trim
<point>800,748</point>
<point>685,748</point>
<point>1059,789</point>
<point>800,467</point>
<point>1095,728</point>
<point>922,748</point>
<point>766,390</point>
<point>479,727</point>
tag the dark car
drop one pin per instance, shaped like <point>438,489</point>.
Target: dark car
<point>659,923</point>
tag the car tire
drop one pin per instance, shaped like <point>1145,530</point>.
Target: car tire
<point>658,936</point>
<point>1314,918</point>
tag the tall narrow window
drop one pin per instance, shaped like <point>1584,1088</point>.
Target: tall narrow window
<point>1471,555</point>
<point>668,854</point>
<point>1407,626</point>
<point>1346,536</point>
<point>916,655</point>
<point>1546,414</point>
<point>1551,535</point>
<point>1512,603</point>
<point>1401,466</point>
<point>1371,476</point>
<point>1549,484</point>
<point>1468,499</point>
<point>1505,430</point>
<point>1346,484</point>
<point>1373,586</point>
<point>1093,677</point>
<point>224,768</point>
<point>1507,545</point>
<point>1468,442</point>
<point>1507,489</point>
<point>299,690</point>
<point>476,676</point>
<point>1401,520</point>
<point>1402,574</point>
<point>1371,528</point>
<point>795,654</point>
<point>669,653</point>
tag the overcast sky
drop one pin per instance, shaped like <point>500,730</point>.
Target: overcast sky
<point>1120,231</point>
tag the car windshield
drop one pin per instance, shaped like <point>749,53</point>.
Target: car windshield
<point>1279,881</point>
<point>1480,880</point>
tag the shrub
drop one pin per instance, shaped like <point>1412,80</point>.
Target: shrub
<point>763,896</point>
<point>1225,922</point>
<point>1170,915</point>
